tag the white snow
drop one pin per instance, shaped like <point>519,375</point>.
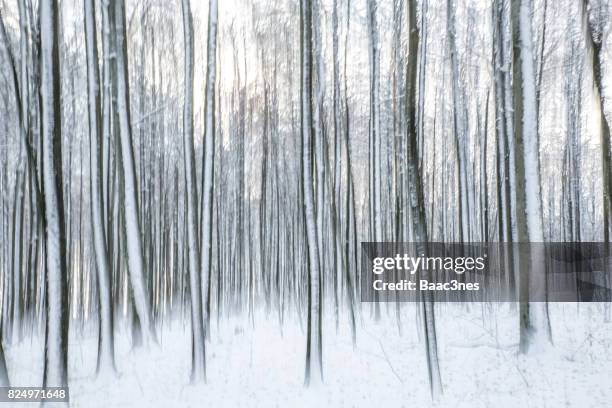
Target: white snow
<point>264,367</point>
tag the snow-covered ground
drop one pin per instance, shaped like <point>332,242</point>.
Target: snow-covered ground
<point>264,366</point>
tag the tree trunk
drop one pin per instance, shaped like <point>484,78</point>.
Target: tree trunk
<point>56,335</point>
<point>314,368</point>
<point>209,157</point>
<point>198,363</point>
<point>130,188</point>
<point>106,359</point>
<point>534,325</point>
<point>416,198</point>
<point>594,41</point>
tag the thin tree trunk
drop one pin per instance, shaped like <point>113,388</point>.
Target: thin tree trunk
<point>130,189</point>
<point>106,359</point>
<point>314,368</point>
<point>533,315</point>
<point>198,362</point>
<point>416,198</point>
<point>56,334</point>
<point>594,41</point>
<point>208,162</point>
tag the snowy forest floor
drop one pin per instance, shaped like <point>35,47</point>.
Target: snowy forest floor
<point>264,366</point>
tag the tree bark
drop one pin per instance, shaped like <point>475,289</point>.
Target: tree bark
<point>56,334</point>
<point>132,230</point>
<point>106,359</point>
<point>534,327</point>
<point>416,198</point>
<point>314,368</point>
<point>198,363</point>
<point>209,157</point>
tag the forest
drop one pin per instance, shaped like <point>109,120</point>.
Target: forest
<point>185,187</point>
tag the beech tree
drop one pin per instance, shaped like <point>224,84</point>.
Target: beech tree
<point>208,159</point>
<point>132,234</point>
<point>534,315</point>
<point>56,348</point>
<point>106,358</point>
<point>314,367</point>
<point>199,363</point>
<point>163,162</point>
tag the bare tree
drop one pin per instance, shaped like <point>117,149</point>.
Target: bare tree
<point>56,336</point>
<point>209,157</point>
<point>595,14</point>
<point>535,328</point>
<point>106,358</point>
<point>198,365</point>
<point>130,189</point>
<point>314,368</point>
<point>416,198</point>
